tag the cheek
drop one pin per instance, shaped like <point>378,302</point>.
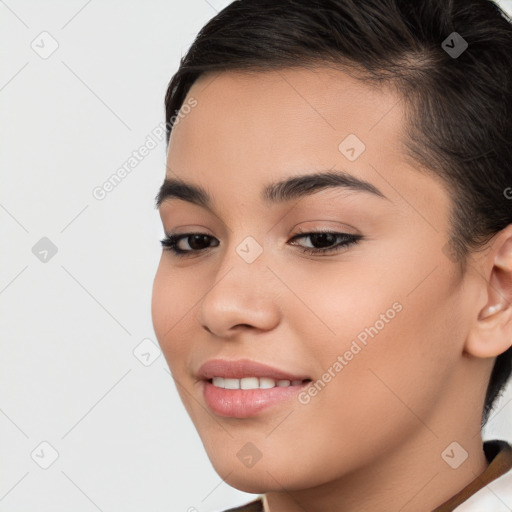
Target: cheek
<point>161,304</point>
<point>333,304</point>
<point>394,331</point>
<point>171,305</point>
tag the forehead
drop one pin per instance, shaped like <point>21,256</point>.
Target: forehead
<point>260,122</point>
<point>296,102</point>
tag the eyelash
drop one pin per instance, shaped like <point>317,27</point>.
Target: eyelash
<point>170,243</point>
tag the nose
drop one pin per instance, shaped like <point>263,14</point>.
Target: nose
<point>241,296</point>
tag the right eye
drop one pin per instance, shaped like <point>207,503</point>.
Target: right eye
<point>181,245</point>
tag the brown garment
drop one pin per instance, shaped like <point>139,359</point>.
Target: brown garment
<point>498,454</point>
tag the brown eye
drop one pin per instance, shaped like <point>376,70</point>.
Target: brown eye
<point>323,242</point>
<point>195,242</point>
<point>187,243</point>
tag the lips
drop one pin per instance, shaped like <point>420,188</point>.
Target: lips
<point>227,395</point>
<point>241,368</point>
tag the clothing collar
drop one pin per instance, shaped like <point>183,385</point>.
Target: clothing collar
<point>499,455</point>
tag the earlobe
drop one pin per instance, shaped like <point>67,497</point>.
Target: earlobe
<point>491,334</point>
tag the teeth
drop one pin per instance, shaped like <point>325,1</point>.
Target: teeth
<point>266,382</point>
<point>232,383</point>
<point>218,382</point>
<point>249,383</point>
<point>252,383</point>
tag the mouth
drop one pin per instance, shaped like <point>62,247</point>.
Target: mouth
<point>245,388</point>
<point>254,382</point>
<point>246,371</point>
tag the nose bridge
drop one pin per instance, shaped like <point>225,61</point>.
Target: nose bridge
<point>244,253</point>
<point>241,293</point>
<point>243,266</point>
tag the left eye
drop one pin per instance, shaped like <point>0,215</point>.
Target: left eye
<point>328,242</point>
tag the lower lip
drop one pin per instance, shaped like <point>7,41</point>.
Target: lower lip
<point>244,403</point>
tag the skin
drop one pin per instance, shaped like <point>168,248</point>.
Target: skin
<point>372,438</point>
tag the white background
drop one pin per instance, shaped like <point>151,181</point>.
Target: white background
<point>69,376</point>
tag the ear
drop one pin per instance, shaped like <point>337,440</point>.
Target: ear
<point>491,333</point>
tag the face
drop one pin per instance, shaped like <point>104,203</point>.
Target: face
<point>376,321</point>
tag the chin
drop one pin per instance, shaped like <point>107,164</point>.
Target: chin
<point>263,477</point>
<point>250,484</point>
<point>255,479</point>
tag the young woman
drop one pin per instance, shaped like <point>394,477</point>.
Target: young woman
<point>334,294</point>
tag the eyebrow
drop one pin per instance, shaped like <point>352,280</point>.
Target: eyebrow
<point>273,193</point>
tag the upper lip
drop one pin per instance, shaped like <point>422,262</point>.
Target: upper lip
<point>240,368</point>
